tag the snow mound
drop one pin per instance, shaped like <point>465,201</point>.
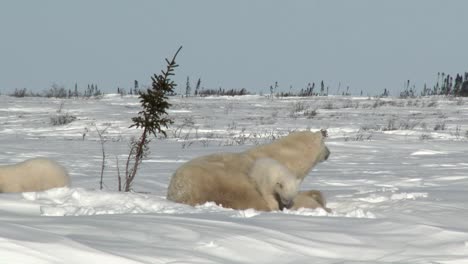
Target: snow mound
<point>81,202</point>
<point>353,213</point>
<point>376,198</point>
<point>78,202</point>
<point>427,152</point>
<point>408,196</point>
<point>247,213</point>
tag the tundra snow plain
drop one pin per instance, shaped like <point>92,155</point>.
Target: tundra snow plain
<point>396,180</point>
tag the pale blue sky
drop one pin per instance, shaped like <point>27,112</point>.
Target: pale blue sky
<point>369,45</point>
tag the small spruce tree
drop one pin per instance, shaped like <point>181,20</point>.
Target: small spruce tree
<point>188,89</point>
<point>197,88</point>
<point>136,88</point>
<point>322,88</point>
<point>152,119</point>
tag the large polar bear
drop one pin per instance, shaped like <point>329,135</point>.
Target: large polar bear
<point>277,185</point>
<point>224,178</point>
<point>33,175</point>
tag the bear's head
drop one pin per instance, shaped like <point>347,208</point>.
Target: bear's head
<point>286,189</point>
<point>299,151</point>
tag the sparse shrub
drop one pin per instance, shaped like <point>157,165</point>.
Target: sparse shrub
<point>85,132</point>
<point>390,125</point>
<point>457,132</point>
<point>274,114</point>
<point>310,113</point>
<point>439,126</point>
<point>228,108</point>
<point>440,115</point>
<point>402,125</point>
<point>102,141</point>
<point>378,103</point>
<point>348,104</point>
<point>267,121</point>
<point>298,107</point>
<point>400,104</point>
<point>432,104</point>
<point>368,127</point>
<point>62,119</point>
<point>329,105</point>
<point>57,91</point>
<point>236,139</point>
<point>408,124</point>
<point>359,136</point>
<point>242,138</point>
<point>206,140</point>
<point>186,143</point>
<point>187,122</point>
<point>424,125</point>
<point>19,93</point>
<point>232,126</point>
<point>366,105</point>
<point>425,136</point>
<point>62,104</point>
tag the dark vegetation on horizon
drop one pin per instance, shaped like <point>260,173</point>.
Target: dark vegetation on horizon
<point>445,85</point>
<point>59,91</point>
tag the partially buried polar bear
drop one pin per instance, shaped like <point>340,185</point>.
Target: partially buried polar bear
<point>224,178</point>
<point>32,175</point>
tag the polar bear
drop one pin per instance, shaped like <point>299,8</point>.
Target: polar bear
<point>309,199</point>
<point>33,175</point>
<point>223,177</point>
<point>277,185</point>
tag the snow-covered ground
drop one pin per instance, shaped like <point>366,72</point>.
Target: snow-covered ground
<point>397,182</point>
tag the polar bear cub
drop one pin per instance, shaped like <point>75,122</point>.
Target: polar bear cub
<point>310,199</point>
<point>33,175</point>
<point>276,183</point>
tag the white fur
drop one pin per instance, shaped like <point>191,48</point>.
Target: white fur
<point>33,175</point>
<point>310,199</point>
<point>223,177</point>
<point>273,181</point>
